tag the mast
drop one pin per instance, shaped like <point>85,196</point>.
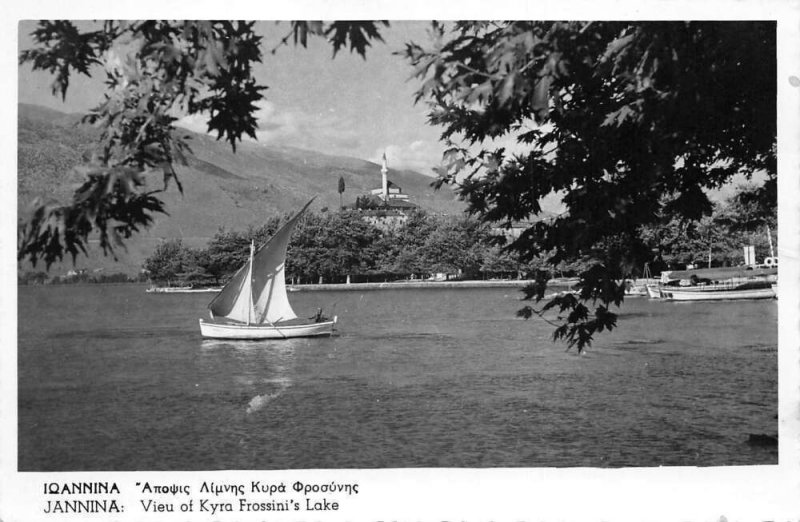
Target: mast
<point>264,297</point>
<point>769,237</point>
<point>385,180</point>
<point>250,284</point>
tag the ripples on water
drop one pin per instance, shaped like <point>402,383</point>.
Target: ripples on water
<point>114,378</point>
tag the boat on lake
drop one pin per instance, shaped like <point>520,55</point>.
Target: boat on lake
<point>167,289</point>
<point>653,291</point>
<point>254,303</point>
<point>716,284</point>
<point>641,286</point>
<point>181,289</point>
<point>635,289</point>
<point>718,292</point>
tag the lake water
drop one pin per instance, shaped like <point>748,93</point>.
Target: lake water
<point>112,378</point>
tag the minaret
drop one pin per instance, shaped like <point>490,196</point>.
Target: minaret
<point>385,180</point>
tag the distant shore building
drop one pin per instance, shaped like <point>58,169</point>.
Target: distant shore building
<point>389,193</point>
<point>386,206</point>
<point>513,232</point>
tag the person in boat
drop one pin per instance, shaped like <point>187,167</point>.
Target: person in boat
<point>694,280</point>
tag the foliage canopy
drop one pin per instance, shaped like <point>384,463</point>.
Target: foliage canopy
<point>630,122</point>
<point>334,246</point>
<point>156,70</point>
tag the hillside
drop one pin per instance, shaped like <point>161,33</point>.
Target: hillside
<point>221,189</point>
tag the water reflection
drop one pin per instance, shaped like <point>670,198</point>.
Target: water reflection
<point>262,370</point>
<point>274,345</point>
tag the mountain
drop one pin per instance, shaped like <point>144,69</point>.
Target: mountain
<point>221,188</point>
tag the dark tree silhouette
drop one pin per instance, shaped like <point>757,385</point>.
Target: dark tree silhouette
<point>629,122</point>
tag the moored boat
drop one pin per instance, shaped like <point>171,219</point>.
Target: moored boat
<point>254,304</point>
<point>653,291</point>
<point>716,284</point>
<point>718,292</point>
<point>167,289</point>
<point>648,285</point>
<point>633,289</point>
<point>181,290</point>
<point>722,274</point>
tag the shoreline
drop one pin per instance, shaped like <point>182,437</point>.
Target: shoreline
<point>422,285</point>
<point>312,287</point>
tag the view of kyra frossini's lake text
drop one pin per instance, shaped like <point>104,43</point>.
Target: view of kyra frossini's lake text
<point>593,282</point>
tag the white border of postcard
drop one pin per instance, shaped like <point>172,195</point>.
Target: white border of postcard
<point>756,493</point>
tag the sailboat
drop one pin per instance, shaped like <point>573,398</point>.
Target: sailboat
<point>254,304</point>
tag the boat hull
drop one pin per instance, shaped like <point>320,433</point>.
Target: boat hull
<point>181,290</point>
<point>717,295</point>
<point>653,291</point>
<point>254,332</point>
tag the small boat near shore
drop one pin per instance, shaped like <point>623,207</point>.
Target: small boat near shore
<point>639,287</point>
<point>653,291</point>
<point>181,289</point>
<point>254,304</point>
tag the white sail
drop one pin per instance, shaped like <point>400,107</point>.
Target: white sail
<point>242,308</point>
<point>257,292</point>
<point>233,301</point>
<point>273,303</point>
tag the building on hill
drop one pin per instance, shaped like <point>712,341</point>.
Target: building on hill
<point>390,194</point>
<point>386,206</point>
<point>373,202</point>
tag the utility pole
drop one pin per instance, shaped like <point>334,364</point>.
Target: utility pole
<point>769,237</point>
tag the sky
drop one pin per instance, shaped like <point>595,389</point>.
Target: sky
<point>346,106</point>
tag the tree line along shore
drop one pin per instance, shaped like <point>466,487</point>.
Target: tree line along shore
<point>341,247</point>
